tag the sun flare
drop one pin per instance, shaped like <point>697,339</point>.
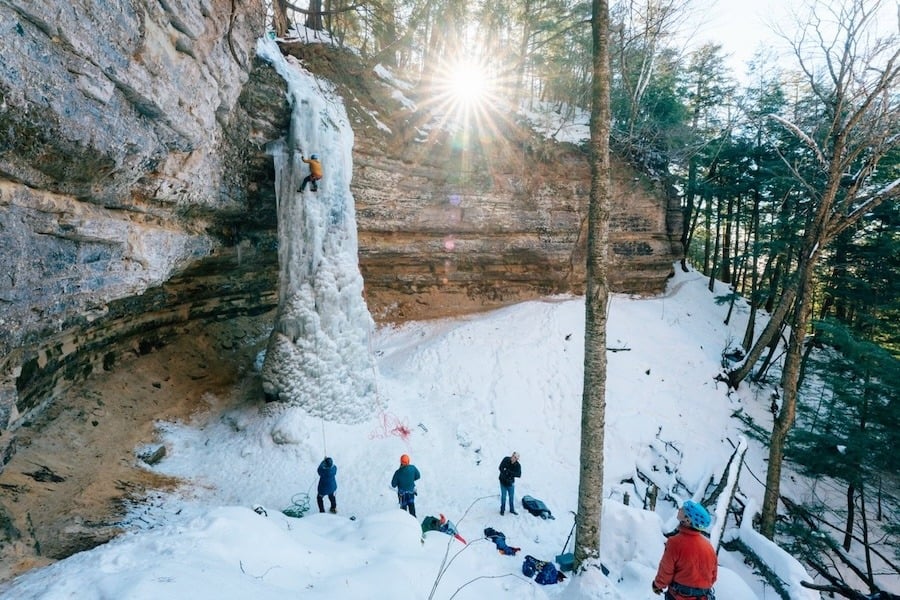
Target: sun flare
<point>468,83</point>
<point>469,97</point>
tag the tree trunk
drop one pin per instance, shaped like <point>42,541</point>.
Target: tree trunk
<point>314,16</point>
<point>280,22</point>
<point>838,273</point>
<point>714,268</point>
<point>789,381</point>
<point>726,270</point>
<point>736,376</point>
<point>593,407</point>
<point>866,546</point>
<point>848,525</point>
<point>775,281</point>
<point>753,234</point>
<point>707,241</point>
<point>760,373</point>
<point>385,32</point>
<point>688,210</point>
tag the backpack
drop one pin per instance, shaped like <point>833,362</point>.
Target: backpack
<point>499,539</point>
<point>545,573</point>
<point>536,507</point>
<point>431,524</point>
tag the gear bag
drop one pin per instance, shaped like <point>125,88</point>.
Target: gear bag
<point>536,507</point>
<point>545,573</point>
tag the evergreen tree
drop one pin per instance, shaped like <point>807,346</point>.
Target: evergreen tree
<point>846,431</point>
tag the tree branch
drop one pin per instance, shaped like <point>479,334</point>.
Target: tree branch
<point>334,11</point>
<point>889,192</point>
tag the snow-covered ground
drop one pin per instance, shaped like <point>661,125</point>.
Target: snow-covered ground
<point>460,395</point>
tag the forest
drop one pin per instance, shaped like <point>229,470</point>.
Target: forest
<point>788,175</point>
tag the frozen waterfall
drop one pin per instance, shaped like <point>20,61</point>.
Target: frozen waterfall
<point>318,355</point>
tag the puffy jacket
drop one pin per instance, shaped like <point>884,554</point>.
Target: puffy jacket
<point>327,477</point>
<point>690,560</point>
<point>315,167</point>
<point>405,478</point>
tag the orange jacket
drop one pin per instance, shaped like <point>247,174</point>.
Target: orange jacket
<point>315,167</point>
<point>689,559</point>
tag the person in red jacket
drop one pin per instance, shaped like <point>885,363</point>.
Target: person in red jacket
<point>688,569</point>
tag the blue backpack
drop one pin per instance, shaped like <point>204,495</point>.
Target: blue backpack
<point>545,573</point>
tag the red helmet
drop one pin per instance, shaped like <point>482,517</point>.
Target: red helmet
<point>404,459</point>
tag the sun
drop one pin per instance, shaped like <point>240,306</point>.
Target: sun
<point>468,83</point>
<point>468,96</point>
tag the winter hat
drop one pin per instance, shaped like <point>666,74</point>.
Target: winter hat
<point>328,461</point>
<point>697,514</point>
<point>404,459</point>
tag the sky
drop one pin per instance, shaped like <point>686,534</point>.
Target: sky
<point>456,395</point>
<point>741,27</point>
<point>744,27</point>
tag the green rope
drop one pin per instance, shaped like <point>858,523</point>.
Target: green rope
<point>299,505</point>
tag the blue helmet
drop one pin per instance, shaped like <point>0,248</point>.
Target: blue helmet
<point>697,514</point>
<point>314,156</point>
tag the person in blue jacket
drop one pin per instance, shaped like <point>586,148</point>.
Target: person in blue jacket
<point>327,484</point>
<point>405,481</point>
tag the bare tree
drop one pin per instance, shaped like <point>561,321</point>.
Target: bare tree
<point>642,29</point>
<point>853,75</point>
<point>593,403</point>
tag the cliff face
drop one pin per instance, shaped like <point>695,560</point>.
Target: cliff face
<point>452,221</point>
<point>137,196</point>
<point>123,153</point>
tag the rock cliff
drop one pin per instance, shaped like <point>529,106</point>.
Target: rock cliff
<point>137,196</point>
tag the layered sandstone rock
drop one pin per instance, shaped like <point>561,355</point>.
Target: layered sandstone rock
<point>136,192</point>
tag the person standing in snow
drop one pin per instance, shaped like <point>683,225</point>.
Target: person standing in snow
<point>510,468</point>
<point>688,569</point>
<point>405,481</point>
<point>327,484</point>
<point>315,172</point>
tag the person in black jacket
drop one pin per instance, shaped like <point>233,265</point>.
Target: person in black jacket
<point>510,468</point>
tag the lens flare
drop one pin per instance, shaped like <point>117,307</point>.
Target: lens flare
<point>468,82</point>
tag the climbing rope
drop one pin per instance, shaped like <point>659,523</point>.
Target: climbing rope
<point>299,505</point>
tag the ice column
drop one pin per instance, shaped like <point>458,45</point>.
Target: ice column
<point>318,355</point>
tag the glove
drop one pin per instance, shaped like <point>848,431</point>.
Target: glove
<point>656,590</point>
